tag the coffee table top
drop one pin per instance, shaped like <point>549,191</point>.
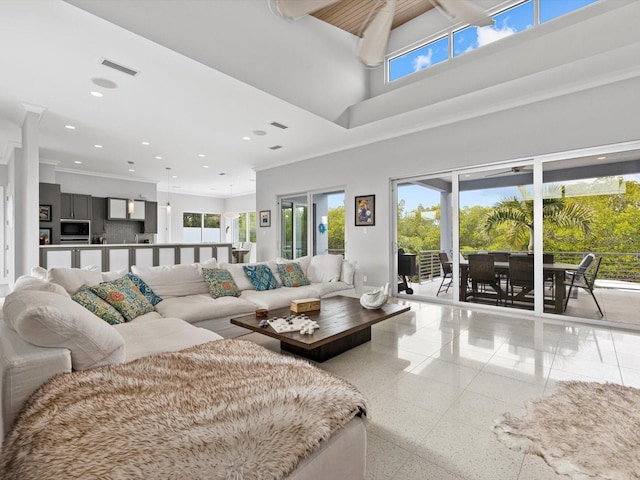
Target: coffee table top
<point>338,317</point>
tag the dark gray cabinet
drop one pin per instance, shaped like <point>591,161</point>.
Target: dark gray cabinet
<point>98,215</point>
<point>76,206</point>
<point>151,217</point>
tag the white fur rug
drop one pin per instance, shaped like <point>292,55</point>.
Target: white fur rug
<point>583,430</point>
<point>228,409</point>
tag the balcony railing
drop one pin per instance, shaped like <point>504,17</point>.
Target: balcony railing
<point>615,266</point>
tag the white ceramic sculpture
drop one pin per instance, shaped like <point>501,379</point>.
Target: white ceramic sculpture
<point>375,299</point>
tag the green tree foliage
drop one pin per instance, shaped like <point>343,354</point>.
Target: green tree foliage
<point>336,228</point>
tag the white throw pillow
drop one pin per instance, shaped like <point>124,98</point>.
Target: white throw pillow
<point>73,279</point>
<point>210,263</point>
<point>113,275</point>
<point>324,268</point>
<point>348,272</point>
<point>39,272</point>
<point>172,280</point>
<point>47,319</point>
<point>27,282</point>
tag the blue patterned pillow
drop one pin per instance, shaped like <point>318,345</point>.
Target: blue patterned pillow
<point>220,283</point>
<point>144,289</point>
<point>261,277</point>
<point>292,275</point>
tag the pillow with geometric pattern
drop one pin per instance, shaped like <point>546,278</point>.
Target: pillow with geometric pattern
<point>125,297</point>
<point>292,274</point>
<point>220,282</point>
<point>261,277</point>
<point>144,289</point>
<point>97,306</point>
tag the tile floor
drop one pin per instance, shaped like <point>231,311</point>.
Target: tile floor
<point>437,377</point>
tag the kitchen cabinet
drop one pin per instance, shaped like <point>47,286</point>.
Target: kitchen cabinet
<point>116,209</point>
<point>75,206</point>
<point>151,217</point>
<point>138,210</point>
<point>98,215</point>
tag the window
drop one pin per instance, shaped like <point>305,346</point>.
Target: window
<point>516,19</point>
<point>550,9</point>
<point>199,227</point>
<point>507,23</point>
<point>246,227</point>
<point>419,59</point>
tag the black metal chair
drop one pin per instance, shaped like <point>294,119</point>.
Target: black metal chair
<point>584,277</point>
<point>447,272</point>
<point>482,271</point>
<point>406,268</point>
<point>521,276</point>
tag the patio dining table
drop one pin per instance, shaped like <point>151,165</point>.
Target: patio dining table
<point>557,270</point>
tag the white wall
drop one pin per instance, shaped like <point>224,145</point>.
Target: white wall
<point>99,186</point>
<point>170,228</point>
<point>603,115</point>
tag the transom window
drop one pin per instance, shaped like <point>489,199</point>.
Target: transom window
<point>506,23</point>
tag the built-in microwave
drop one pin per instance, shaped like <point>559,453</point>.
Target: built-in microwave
<point>80,229</point>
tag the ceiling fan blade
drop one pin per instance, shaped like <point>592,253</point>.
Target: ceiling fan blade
<point>503,172</point>
<point>466,11</point>
<point>294,9</point>
<point>375,38</point>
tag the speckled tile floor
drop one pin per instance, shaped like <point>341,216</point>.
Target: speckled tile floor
<point>437,376</point>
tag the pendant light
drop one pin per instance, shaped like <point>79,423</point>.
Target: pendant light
<point>231,215</point>
<point>168,191</point>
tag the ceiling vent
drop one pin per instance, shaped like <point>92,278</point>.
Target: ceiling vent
<point>279,125</point>
<point>275,147</point>
<point>120,68</point>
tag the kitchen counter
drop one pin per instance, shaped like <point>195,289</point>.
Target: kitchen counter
<point>118,256</point>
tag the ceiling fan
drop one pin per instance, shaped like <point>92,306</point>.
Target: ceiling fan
<point>373,45</point>
<point>511,170</point>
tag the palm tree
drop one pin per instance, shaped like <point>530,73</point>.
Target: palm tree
<point>517,215</point>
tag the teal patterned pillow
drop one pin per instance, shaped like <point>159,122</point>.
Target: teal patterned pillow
<point>220,282</point>
<point>125,297</point>
<point>144,289</point>
<point>261,277</point>
<point>292,275</point>
<point>97,306</point>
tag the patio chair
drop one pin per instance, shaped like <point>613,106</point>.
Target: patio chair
<point>584,277</point>
<point>482,271</point>
<point>521,276</point>
<point>447,272</point>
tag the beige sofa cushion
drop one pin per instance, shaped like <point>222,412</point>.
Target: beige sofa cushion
<point>172,280</point>
<point>27,282</point>
<point>149,336</point>
<point>73,279</point>
<point>324,268</point>
<point>280,297</point>
<point>195,308</point>
<point>50,320</point>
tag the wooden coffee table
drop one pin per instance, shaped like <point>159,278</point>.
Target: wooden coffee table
<point>344,324</point>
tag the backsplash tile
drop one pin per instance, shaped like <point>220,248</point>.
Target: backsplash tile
<point>122,231</point>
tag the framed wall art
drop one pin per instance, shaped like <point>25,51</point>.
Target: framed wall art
<point>45,236</point>
<point>265,218</point>
<point>366,211</point>
<point>45,213</point>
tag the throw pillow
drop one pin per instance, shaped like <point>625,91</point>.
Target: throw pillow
<point>144,289</point>
<point>72,279</point>
<point>97,306</point>
<point>125,297</point>
<point>220,283</point>
<point>292,275</point>
<point>261,277</point>
<point>324,268</point>
<point>348,272</point>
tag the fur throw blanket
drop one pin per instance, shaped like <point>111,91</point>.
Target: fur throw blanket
<point>227,409</point>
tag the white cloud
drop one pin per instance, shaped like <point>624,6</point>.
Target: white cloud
<point>490,34</point>
<point>422,61</point>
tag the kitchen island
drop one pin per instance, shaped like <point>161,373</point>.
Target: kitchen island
<point>121,256</point>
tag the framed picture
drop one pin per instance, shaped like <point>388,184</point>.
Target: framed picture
<point>265,218</point>
<point>45,236</point>
<point>366,211</point>
<point>45,213</point>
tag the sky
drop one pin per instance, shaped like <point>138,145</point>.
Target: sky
<point>514,20</point>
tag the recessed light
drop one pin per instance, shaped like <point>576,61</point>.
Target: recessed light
<point>146,144</point>
<point>223,173</point>
<point>70,127</point>
<point>259,132</point>
<point>174,176</point>
<point>98,146</point>
<point>158,158</point>
<point>96,94</point>
<point>201,155</point>
<point>131,170</point>
<point>602,158</point>
<point>246,138</point>
<point>104,83</point>
<point>78,162</point>
<point>205,166</point>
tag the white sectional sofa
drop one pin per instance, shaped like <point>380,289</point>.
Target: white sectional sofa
<point>45,333</point>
